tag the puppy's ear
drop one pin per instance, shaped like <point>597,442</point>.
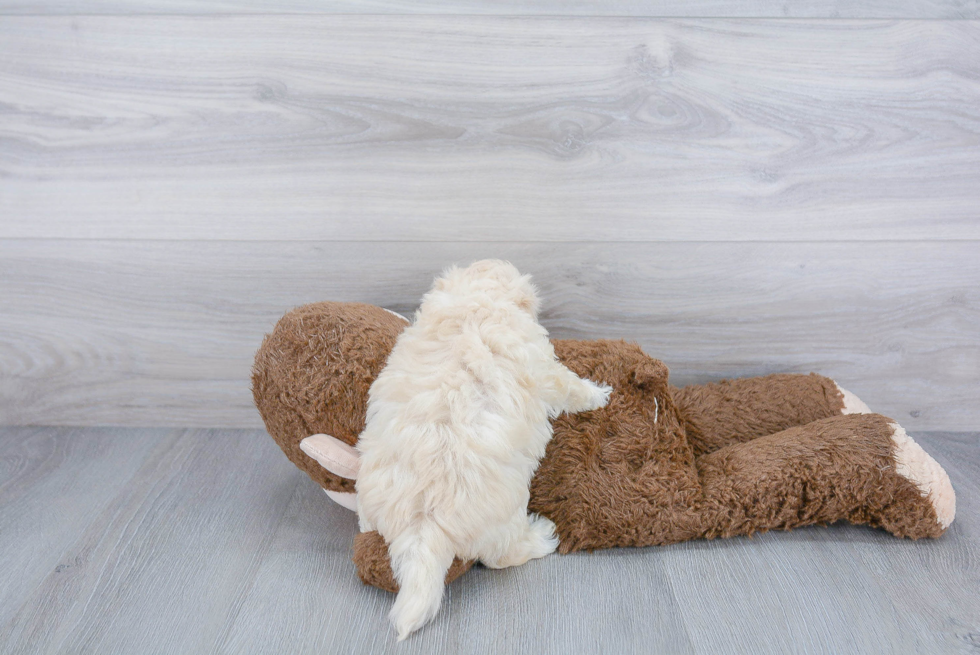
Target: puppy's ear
<point>442,281</point>
<point>526,295</point>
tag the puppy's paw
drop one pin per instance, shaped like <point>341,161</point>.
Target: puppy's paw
<point>535,540</point>
<point>596,397</point>
<point>542,536</point>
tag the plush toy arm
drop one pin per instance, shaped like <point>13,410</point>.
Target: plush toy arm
<point>338,458</point>
<point>862,468</point>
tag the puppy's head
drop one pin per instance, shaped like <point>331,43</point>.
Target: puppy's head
<point>499,280</point>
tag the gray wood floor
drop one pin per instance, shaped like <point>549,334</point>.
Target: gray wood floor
<point>129,540</point>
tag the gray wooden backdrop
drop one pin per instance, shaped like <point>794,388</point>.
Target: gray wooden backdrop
<point>738,192</point>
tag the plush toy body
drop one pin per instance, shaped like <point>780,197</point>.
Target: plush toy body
<point>657,465</point>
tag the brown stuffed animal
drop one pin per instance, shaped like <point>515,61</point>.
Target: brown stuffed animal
<point>657,465</point>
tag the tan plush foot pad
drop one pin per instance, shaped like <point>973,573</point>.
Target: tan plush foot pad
<point>915,465</point>
<point>852,404</point>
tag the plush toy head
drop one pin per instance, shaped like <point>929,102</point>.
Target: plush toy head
<point>304,388</point>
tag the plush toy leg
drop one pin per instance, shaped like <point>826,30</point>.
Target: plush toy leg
<point>374,566</point>
<point>862,468</point>
<point>735,411</point>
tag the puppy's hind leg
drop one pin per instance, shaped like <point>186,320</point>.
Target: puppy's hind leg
<point>530,537</point>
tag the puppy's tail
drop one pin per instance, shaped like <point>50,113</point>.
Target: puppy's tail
<point>420,560</point>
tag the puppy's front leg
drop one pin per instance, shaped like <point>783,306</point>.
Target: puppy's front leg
<point>568,392</point>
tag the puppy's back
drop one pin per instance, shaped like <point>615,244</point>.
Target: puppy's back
<point>454,431</point>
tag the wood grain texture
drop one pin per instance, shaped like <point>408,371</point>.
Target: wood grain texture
<point>572,604</point>
<point>488,128</point>
<point>765,584</point>
<point>936,605</point>
<point>53,484</point>
<point>934,9</point>
<point>163,333</point>
<point>165,566</point>
<point>217,544</point>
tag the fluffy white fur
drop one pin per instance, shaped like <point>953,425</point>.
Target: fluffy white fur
<point>457,422</point>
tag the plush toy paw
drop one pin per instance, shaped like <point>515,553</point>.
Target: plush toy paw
<point>852,404</point>
<point>915,465</point>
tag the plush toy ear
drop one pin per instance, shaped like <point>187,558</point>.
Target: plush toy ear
<point>338,458</point>
<point>333,455</point>
<point>650,373</point>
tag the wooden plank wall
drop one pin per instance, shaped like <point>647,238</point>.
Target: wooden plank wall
<point>740,193</point>
<point>923,9</point>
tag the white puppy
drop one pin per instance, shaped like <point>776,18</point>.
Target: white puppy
<point>457,422</point>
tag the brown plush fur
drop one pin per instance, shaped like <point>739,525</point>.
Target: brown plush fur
<point>657,465</point>
<point>734,411</point>
<point>313,372</point>
<point>374,567</point>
